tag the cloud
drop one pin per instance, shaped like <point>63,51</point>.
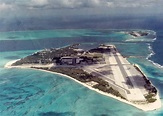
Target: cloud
<point>39,2</point>
<point>70,3</point>
<point>4,6</point>
<point>65,3</point>
<point>46,4</point>
<point>132,3</point>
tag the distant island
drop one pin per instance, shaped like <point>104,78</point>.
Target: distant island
<point>102,69</point>
<point>138,33</point>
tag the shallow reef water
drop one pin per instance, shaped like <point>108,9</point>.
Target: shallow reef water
<point>27,92</point>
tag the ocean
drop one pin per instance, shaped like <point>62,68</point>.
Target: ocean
<point>27,92</point>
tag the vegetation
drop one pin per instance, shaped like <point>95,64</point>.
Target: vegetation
<point>48,56</point>
<point>55,55</point>
<point>150,98</point>
<point>108,89</point>
<point>83,76</point>
<point>102,87</point>
<point>76,73</point>
<point>99,50</point>
<point>138,33</point>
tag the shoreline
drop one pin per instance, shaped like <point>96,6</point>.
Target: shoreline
<point>145,107</point>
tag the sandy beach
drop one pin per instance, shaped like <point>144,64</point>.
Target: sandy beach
<point>9,65</point>
<point>144,107</point>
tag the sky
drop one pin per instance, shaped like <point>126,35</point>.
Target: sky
<point>76,3</point>
<point>66,10</point>
<point>46,7</point>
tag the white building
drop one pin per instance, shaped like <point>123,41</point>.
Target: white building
<point>70,60</point>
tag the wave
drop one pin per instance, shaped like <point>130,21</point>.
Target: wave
<point>140,40</point>
<point>3,82</point>
<point>154,39</point>
<point>156,64</point>
<point>151,37</point>
<point>151,51</point>
<point>151,54</point>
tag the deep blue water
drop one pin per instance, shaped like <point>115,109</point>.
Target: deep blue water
<point>157,47</point>
<point>30,92</point>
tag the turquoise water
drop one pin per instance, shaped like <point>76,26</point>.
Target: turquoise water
<point>26,92</point>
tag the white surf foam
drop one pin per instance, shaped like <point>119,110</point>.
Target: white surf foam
<point>151,54</point>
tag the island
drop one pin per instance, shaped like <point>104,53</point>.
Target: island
<point>102,69</point>
<point>136,34</point>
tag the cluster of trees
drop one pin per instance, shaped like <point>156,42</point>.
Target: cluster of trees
<point>148,85</point>
<point>150,98</point>
<point>54,55</point>
<point>100,50</point>
<point>66,51</point>
<point>76,73</point>
<point>108,89</point>
<point>48,55</point>
<point>139,33</point>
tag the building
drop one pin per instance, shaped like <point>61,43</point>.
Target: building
<point>70,60</point>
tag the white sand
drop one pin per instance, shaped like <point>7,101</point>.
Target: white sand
<point>9,65</point>
<point>144,107</point>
